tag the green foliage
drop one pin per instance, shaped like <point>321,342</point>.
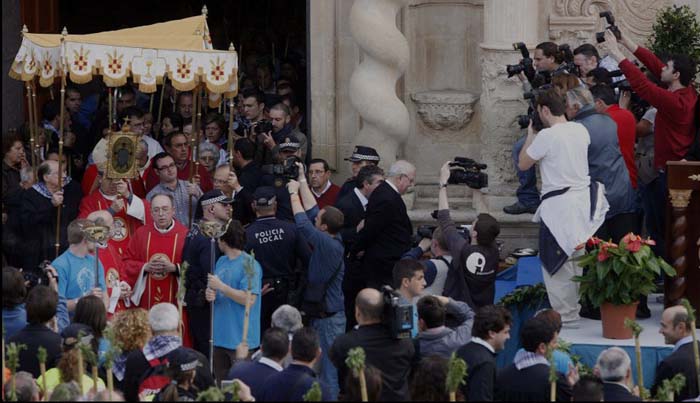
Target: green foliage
<point>620,274</point>
<point>552,366</point>
<point>13,351</point>
<point>565,347</point>
<point>356,360</point>
<point>182,285</point>
<point>635,327</point>
<point>213,394</point>
<point>528,296</point>
<point>41,355</point>
<point>314,393</point>
<point>456,373</point>
<point>676,31</point>
<point>114,351</point>
<point>668,386</point>
<point>689,309</point>
<point>249,269</point>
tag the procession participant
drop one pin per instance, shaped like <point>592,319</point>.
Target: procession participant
<point>111,259</point>
<point>127,209</point>
<point>154,254</point>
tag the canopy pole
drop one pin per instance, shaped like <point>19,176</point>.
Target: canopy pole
<point>35,127</point>
<point>230,133</point>
<point>60,145</point>
<point>160,103</point>
<point>109,104</point>
<point>32,129</point>
<point>150,106</point>
<point>193,145</point>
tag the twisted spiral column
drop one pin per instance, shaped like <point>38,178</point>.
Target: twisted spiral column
<point>373,83</point>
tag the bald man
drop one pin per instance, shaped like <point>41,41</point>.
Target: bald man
<point>385,233</point>
<point>392,356</point>
<point>675,326</point>
<point>118,290</point>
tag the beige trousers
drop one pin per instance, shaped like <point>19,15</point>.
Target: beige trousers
<point>563,291</point>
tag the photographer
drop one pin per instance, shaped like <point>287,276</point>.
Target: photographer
<point>473,280</point>
<point>438,266</point>
<point>547,62</point>
<point>278,174</point>
<point>587,59</point>
<point>674,125</point>
<point>323,298</point>
<point>391,356</point>
<point>565,217</point>
<point>435,338</point>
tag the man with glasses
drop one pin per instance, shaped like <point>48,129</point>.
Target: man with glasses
<point>181,191</point>
<point>176,145</point>
<point>385,233</point>
<point>154,255</point>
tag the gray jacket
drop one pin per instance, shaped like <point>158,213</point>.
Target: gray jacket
<point>444,341</point>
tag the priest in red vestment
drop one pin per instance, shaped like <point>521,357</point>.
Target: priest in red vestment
<point>154,255</point>
<point>130,212</point>
<point>118,290</point>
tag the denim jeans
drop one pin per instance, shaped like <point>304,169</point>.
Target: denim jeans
<point>328,329</point>
<point>527,191</point>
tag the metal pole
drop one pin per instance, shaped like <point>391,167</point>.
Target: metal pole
<point>150,105</point>
<point>60,165</point>
<point>160,103</point>
<point>97,265</point>
<point>32,128</point>
<point>230,134</point>
<point>211,307</point>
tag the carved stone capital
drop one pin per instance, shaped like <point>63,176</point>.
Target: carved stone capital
<point>445,110</point>
<point>680,198</point>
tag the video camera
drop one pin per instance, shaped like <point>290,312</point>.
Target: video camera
<point>568,57</point>
<point>398,315</point>
<point>622,85</point>
<point>600,36</point>
<point>532,115</point>
<point>263,126</point>
<point>524,66</point>
<point>288,169</point>
<point>467,171</point>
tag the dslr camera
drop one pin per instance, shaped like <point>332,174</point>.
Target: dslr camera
<point>600,36</point>
<point>398,315</point>
<point>263,126</point>
<point>532,115</point>
<point>38,276</point>
<point>524,66</point>
<point>568,57</point>
<point>467,171</point>
<point>288,169</point>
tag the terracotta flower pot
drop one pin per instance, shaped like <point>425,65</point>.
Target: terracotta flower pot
<point>613,319</point>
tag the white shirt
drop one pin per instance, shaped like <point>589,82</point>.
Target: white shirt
<point>392,186</point>
<point>682,342</point>
<point>484,343</point>
<point>270,363</point>
<point>562,151</point>
<point>154,146</point>
<point>325,189</point>
<point>362,198</point>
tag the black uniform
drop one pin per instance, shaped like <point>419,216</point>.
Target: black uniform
<point>347,187</point>
<point>278,247</point>
<point>249,176</point>
<point>284,203</point>
<point>197,253</point>
<point>353,281</point>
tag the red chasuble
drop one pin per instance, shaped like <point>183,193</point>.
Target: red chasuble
<point>89,182</point>
<point>124,225</point>
<point>146,244</point>
<point>111,260</point>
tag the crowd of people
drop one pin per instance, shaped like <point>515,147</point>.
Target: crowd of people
<point>297,275</point>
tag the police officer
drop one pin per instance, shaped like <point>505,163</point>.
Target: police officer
<point>289,147</point>
<point>213,206</point>
<point>361,156</point>
<point>279,249</point>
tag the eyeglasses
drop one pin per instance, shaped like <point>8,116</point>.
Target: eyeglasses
<point>161,210</point>
<point>171,166</point>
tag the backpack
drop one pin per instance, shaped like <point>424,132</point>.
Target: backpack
<point>694,150</point>
<point>154,379</point>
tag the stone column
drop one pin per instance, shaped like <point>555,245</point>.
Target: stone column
<point>385,120</point>
<point>505,22</point>
<point>12,95</point>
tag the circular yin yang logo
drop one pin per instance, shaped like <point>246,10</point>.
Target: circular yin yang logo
<point>476,263</point>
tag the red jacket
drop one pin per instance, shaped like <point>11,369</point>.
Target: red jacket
<point>674,128</point>
<point>626,136</point>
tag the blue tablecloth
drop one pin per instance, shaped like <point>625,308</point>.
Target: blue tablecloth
<point>528,272</point>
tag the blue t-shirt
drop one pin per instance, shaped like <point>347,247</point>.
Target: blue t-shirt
<point>76,275</point>
<point>229,314</point>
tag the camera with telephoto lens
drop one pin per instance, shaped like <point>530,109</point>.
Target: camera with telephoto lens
<point>398,315</point>
<point>532,115</point>
<point>38,276</point>
<point>568,57</point>
<point>467,171</point>
<point>524,66</point>
<point>600,36</point>
<point>263,126</point>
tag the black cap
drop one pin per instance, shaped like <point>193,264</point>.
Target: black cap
<point>72,333</point>
<point>184,359</point>
<point>363,153</point>
<point>214,196</point>
<point>290,143</point>
<point>264,196</point>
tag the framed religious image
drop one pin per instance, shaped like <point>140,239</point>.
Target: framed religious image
<point>121,152</point>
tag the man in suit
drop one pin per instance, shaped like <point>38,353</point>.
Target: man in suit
<point>361,157</point>
<point>393,357</point>
<point>353,206</point>
<point>490,333</point>
<point>386,232</point>
<point>675,326</point>
<point>275,346</point>
<point>615,369</point>
<point>527,378</point>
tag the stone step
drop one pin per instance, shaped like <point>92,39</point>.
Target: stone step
<point>432,189</point>
<point>456,203</point>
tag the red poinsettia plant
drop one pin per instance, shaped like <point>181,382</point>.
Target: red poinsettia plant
<point>619,274</point>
